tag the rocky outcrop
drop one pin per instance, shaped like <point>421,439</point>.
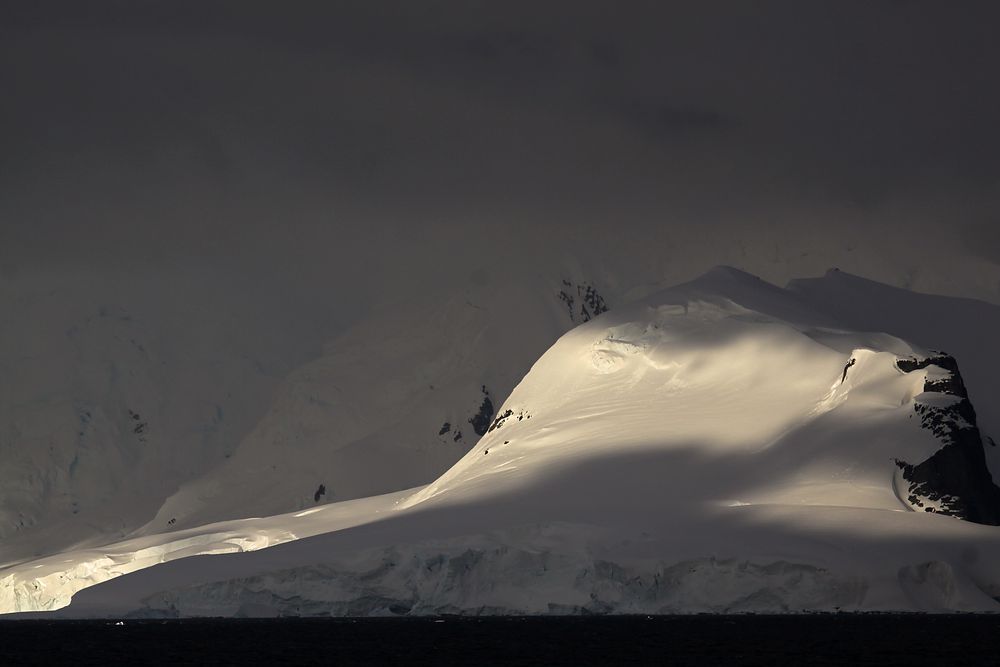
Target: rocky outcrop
<point>481,420</point>
<point>582,300</point>
<point>955,480</point>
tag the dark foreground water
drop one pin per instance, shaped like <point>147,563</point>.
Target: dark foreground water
<point>880,639</point>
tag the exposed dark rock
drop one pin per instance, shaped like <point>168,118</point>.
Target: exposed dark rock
<point>849,364</point>
<point>498,422</point>
<point>591,302</point>
<point>951,384</point>
<point>445,428</point>
<point>956,477</point>
<point>569,301</point>
<point>507,414</point>
<point>481,420</point>
<point>140,426</point>
<point>320,492</point>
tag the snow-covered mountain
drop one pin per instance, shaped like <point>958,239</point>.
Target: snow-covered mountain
<point>391,404</point>
<point>149,405</point>
<point>114,391</point>
<point>265,391</point>
<point>722,445</point>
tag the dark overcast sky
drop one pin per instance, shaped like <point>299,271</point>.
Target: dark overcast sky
<point>157,130</point>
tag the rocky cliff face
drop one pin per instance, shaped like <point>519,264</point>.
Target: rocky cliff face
<point>955,480</point>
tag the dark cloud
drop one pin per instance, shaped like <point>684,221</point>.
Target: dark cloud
<point>154,130</point>
<point>671,120</point>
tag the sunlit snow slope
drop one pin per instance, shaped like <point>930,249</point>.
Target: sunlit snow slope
<point>391,404</point>
<point>169,400</point>
<point>742,379</point>
<point>724,445</point>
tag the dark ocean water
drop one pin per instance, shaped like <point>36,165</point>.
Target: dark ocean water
<point>871,639</point>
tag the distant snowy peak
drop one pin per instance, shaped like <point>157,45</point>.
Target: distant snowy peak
<point>114,392</point>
